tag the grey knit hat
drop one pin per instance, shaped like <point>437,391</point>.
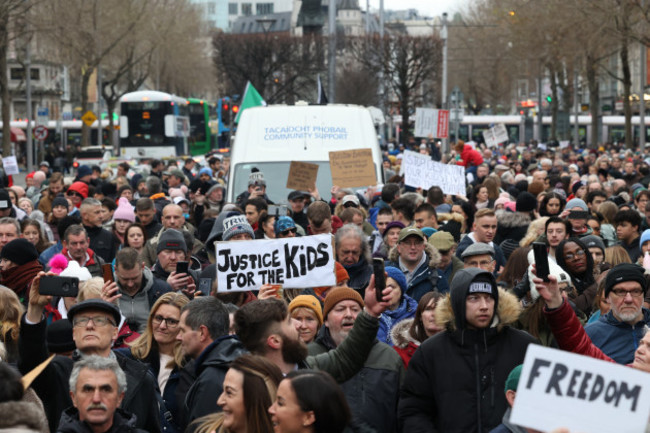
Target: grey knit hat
<point>171,239</point>
<point>235,225</point>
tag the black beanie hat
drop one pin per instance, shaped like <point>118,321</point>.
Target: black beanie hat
<point>465,282</point>
<point>624,272</point>
<point>19,251</point>
<point>526,202</point>
<point>59,200</point>
<point>59,337</point>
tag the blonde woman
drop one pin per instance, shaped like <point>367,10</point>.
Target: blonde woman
<point>607,231</point>
<point>10,314</point>
<point>158,347</point>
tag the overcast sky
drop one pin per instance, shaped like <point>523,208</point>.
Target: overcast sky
<point>426,7</point>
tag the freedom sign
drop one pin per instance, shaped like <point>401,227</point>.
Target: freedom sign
<point>420,171</point>
<point>295,263</point>
<point>561,389</point>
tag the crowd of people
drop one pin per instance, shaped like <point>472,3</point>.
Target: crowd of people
<point>151,342</point>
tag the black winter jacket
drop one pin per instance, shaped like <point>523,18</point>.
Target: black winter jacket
<point>104,243</point>
<point>52,384</point>
<point>455,380</point>
<point>123,422</point>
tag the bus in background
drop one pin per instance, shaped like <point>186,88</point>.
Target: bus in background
<point>200,140</point>
<point>153,125</point>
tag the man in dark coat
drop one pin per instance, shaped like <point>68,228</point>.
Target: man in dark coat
<point>204,336</point>
<point>456,378</point>
<point>353,252</point>
<point>95,327</point>
<point>104,243</point>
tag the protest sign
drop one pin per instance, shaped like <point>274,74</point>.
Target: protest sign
<point>10,165</point>
<point>561,389</point>
<point>352,168</point>
<point>495,135</point>
<point>429,121</point>
<point>294,263</point>
<point>302,176</point>
<point>421,171</point>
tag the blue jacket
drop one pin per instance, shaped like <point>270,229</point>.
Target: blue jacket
<point>425,278</point>
<point>616,339</point>
<point>390,318</point>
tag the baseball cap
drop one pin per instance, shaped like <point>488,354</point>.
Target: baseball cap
<point>411,231</point>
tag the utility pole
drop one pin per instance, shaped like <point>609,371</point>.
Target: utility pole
<point>642,83</point>
<point>443,92</point>
<point>28,101</point>
<point>576,125</point>
<point>332,52</point>
<point>99,78</point>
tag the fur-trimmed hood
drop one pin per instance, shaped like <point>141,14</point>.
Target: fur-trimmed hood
<point>21,417</point>
<point>400,334</point>
<point>513,219</point>
<point>450,217</point>
<point>429,250</point>
<point>508,311</point>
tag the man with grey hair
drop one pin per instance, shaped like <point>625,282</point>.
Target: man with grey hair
<point>104,243</point>
<point>9,230</point>
<point>353,252</point>
<point>204,336</point>
<point>97,387</point>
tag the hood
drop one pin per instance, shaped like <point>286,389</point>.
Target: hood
<point>514,219</point>
<point>400,334</point>
<point>450,217</point>
<point>21,414</point>
<point>148,277</point>
<point>429,250</point>
<point>508,311</point>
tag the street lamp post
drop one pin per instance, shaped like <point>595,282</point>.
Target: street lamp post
<point>443,92</point>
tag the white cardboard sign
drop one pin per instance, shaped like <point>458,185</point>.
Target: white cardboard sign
<point>10,165</point>
<point>495,135</point>
<point>430,121</point>
<point>420,171</point>
<point>561,389</point>
<point>294,263</point>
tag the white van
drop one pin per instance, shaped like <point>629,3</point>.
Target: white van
<point>269,138</point>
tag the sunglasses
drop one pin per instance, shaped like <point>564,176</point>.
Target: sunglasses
<point>74,194</point>
<point>286,232</point>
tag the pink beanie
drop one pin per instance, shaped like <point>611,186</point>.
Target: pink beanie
<point>124,211</point>
<point>501,200</point>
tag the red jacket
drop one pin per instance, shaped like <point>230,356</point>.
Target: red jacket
<point>470,157</point>
<point>569,333</point>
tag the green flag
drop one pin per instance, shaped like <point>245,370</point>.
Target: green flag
<point>252,98</point>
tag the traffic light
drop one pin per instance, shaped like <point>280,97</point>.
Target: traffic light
<point>549,99</point>
<point>235,110</point>
<point>225,111</point>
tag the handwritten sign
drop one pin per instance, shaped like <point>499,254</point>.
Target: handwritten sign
<point>561,389</point>
<point>353,168</point>
<point>294,263</point>
<point>10,165</point>
<point>302,176</point>
<point>422,172</point>
<point>495,135</point>
<point>429,121</point>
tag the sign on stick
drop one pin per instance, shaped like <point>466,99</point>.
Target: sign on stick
<point>352,168</point>
<point>422,172</point>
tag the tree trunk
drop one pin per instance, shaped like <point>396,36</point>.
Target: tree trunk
<point>4,86</point>
<point>627,90</point>
<point>554,104</point>
<point>594,100</point>
<point>404,108</point>
<point>85,129</point>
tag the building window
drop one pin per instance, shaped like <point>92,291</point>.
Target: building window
<point>232,8</point>
<point>247,9</point>
<point>264,8</point>
<point>212,8</point>
<point>19,74</point>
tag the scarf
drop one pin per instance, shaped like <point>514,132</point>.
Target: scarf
<point>19,279</point>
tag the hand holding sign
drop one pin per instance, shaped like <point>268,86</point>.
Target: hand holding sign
<point>549,291</point>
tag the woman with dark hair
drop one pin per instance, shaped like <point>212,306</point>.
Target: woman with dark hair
<point>467,210</point>
<point>515,269</point>
<point>552,204</point>
<point>309,401</point>
<point>33,232</point>
<point>408,334</point>
<point>135,237</point>
<point>265,226</point>
<point>574,257</point>
<point>249,389</point>
<point>481,198</point>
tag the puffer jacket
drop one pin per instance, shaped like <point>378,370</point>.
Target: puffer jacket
<point>456,378</point>
<point>404,344</point>
<point>390,318</point>
<point>426,276</point>
<point>511,225</point>
<point>123,422</point>
<point>373,392</point>
<point>618,340</point>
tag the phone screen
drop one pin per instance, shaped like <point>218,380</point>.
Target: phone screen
<point>541,260</point>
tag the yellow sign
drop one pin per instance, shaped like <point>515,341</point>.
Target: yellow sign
<point>89,118</point>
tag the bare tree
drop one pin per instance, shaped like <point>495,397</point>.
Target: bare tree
<point>406,62</point>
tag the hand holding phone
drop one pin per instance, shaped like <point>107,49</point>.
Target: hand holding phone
<point>380,277</point>
<point>59,286</point>
<point>107,271</point>
<point>541,260</point>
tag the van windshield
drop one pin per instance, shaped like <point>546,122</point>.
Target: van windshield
<point>275,174</point>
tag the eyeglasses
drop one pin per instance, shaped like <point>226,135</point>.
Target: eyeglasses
<point>286,232</point>
<point>636,293</point>
<point>577,254</point>
<point>171,323</point>
<point>99,321</point>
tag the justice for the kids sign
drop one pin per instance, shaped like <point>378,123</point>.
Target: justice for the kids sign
<point>560,389</point>
<point>294,263</point>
